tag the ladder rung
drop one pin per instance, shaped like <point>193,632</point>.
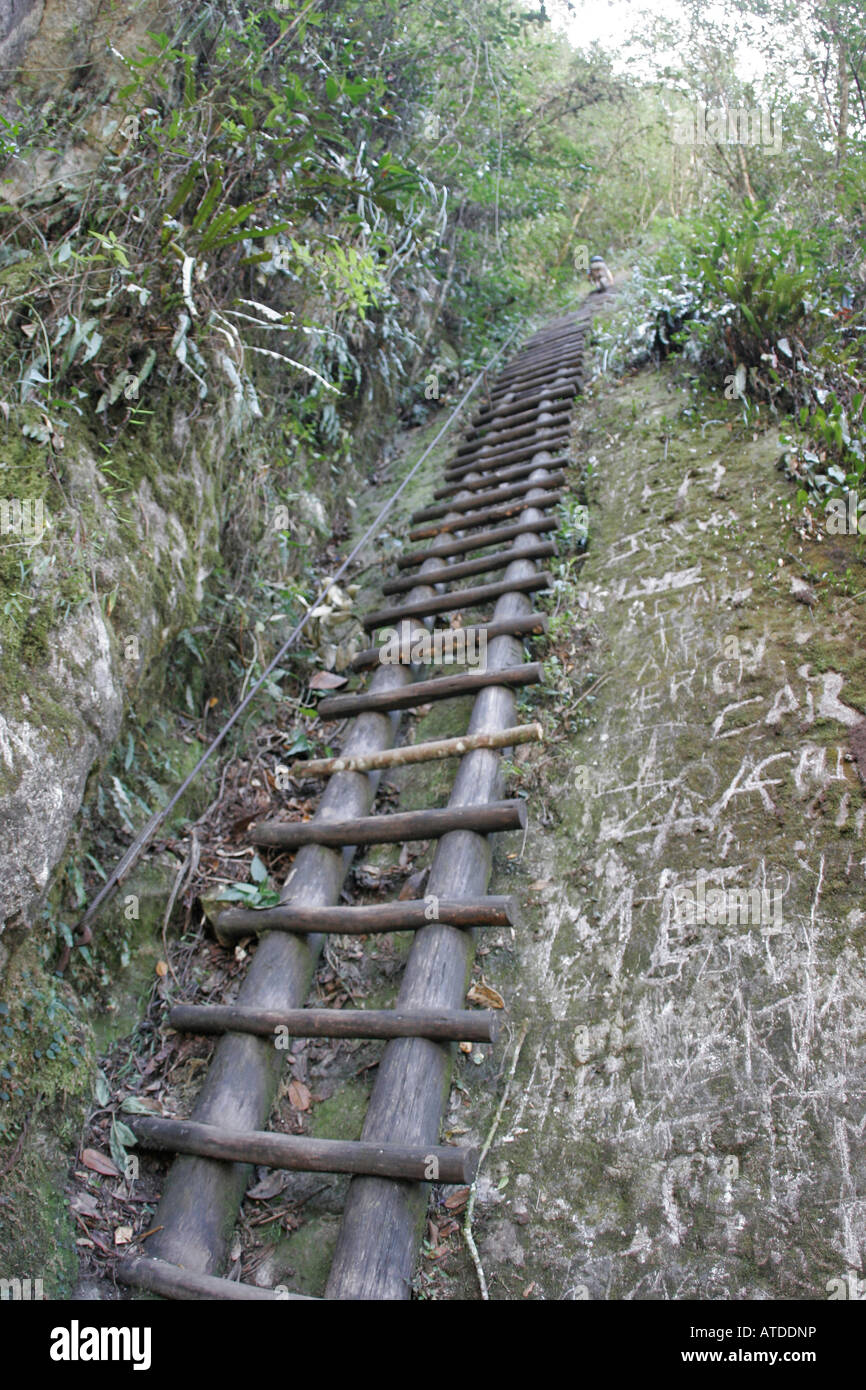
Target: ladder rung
<point>502,409</point>
<point>465,523</point>
<point>499,494</point>
<point>442,1025</point>
<point>415,1162</point>
<point>489,472</point>
<point>412,915</point>
<point>478,542</point>
<point>500,559</point>
<point>457,599</point>
<point>530,624</point>
<point>393,829</point>
<point>498,459</point>
<point>420,692</point>
<point>170,1280</point>
<point>420,752</point>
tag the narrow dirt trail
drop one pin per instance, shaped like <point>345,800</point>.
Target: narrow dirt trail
<point>689,1112</point>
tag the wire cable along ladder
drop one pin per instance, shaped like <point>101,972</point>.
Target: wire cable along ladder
<point>491,516</point>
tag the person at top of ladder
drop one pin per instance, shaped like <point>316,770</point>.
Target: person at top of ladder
<point>599,274</point>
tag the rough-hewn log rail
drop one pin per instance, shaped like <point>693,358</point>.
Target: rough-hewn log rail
<point>379,1235</point>
<point>469,519</point>
<point>522,424</point>
<point>473,484</point>
<point>426,752</point>
<point>457,600</point>
<point>545,395</point>
<point>481,499</point>
<point>476,541</point>
<point>442,688</point>
<point>526,625</point>
<point>393,829</point>
<point>224,1135</point>
<point>483,565</point>
<point>300,1154</point>
<point>443,1025</point>
<point>462,912</point>
<point>550,439</point>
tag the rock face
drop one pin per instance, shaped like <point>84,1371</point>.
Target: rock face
<point>19,22</point>
<point>47,749</point>
<point>60,715</point>
<point>42,39</point>
<point>688,1115</point>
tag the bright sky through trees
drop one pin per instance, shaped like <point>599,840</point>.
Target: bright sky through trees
<point>612,23</point>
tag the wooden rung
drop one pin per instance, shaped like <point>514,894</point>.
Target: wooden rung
<point>393,829</point>
<point>567,389</point>
<point>420,752</point>
<point>415,1162</point>
<point>548,357</point>
<point>531,624</point>
<point>456,600</point>
<point>367,919</point>
<point>532,379</point>
<point>488,474</point>
<point>441,1025</point>
<point>549,360</point>
<point>560,333</point>
<point>465,523</point>
<point>420,692</point>
<point>476,542</point>
<point>515,454</point>
<point>520,419</point>
<point>499,494</point>
<point>513,434</point>
<point>499,560</point>
<point>530,382</point>
<point>171,1281</point>
<point>516,429</point>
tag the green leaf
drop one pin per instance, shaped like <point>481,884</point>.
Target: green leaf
<point>185,188</point>
<point>258,872</point>
<point>124,1133</point>
<point>207,204</point>
<point>133,1106</point>
<point>301,743</point>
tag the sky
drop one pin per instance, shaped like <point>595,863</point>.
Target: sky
<point>610,22</point>
<point>607,21</point>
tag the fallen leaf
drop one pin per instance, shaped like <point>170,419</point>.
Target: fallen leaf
<point>161,969</point>
<point>413,887</point>
<point>327,680</point>
<point>299,1095</point>
<point>539,884</point>
<point>132,1105</point>
<point>457,1201</point>
<point>123,1235</point>
<point>85,1204</point>
<point>99,1163</point>
<point>268,1187</point>
<point>483,994</point>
